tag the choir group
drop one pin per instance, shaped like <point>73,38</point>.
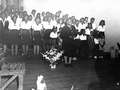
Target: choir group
<point>76,37</point>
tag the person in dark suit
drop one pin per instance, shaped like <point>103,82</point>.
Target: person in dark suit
<point>68,33</point>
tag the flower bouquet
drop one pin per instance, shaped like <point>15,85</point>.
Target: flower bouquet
<point>52,56</point>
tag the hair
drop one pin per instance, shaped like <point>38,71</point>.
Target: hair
<point>102,21</point>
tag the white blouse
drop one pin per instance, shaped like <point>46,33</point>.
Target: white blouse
<point>13,25</point>
<point>87,31</point>
<point>47,25</point>
<point>37,27</point>
<point>53,35</point>
<point>96,41</point>
<point>101,29</point>
<point>25,25</point>
<point>83,37</point>
<point>93,26</point>
<point>81,26</point>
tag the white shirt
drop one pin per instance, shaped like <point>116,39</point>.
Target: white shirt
<point>96,41</point>
<point>37,27</point>
<point>59,26</point>
<point>87,31</point>
<point>93,26</point>
<point>83,37</point>
<point>53,35</point>
<point>47,25</point>
<point>13,25</point>
<point>25,25</point>
<point>81,26</point>
<point>101,29</point>
<point>9,19</point>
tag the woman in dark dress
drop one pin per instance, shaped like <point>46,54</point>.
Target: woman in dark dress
<point>68,34</point>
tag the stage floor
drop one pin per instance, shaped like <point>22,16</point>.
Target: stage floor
<point>85,75</point>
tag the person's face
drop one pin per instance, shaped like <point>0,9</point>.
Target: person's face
<point>57,18</point>
<point>74,21</point>
<point>38,14</point>
<point>26,18</point>
<point>92,20</point>
<point>43,14</point>
<point>38,20</point>
<point>30,17</point>
<point>86,19</point>
<point>77,22</point>
<point>14,18</point>
<point>60,21</point>
<point>49,19</point>
<point>69,22</point>
<point>81,20</point>
<point>33,12</point>
<point>89,25</point>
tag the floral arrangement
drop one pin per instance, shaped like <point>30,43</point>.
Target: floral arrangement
<point>52,56</point>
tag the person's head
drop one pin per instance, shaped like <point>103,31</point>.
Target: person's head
<point>83,31</point>
<point>60,21</point>
<point>37,20</point>
<point>26,18</point>
<point>102,23</point>
<point>38,15</point>
<point>92,20</point>
<point>89,25</point>
<point>49,19</point>
<point>57,19</point>
<point>24,13</point>
<point>69,22</point>
<point>33,12</point>
<point>74,21</point>
<point>86,19</point>
<point>21,9</point>
<point>82,20</point>
<point>14,18</point>
<point>20,14</point>
<point>43,14</point>
<point>47,14</point>
<point>77,22</point>
<point>30,17</point>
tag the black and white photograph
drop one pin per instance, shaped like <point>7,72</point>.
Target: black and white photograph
<point>59,44</point>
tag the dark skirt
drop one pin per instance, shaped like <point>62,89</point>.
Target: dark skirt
<point>14,37</point>
<point>68,46</point>
<point>37,38</point>
<point>101,34</point>
<point>5,36</point>
<point>26,37</point>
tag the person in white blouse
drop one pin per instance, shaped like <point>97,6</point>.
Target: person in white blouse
<point>37,35</point>
<point>83,45</point>
<point>92,21</point>
<point>101,28</point>
<point>88,29</point>
<point>25,34</point>
<point>81,25</point>
<point>14,27</point>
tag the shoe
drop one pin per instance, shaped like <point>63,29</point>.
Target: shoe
<point>70,65</point>
<point>95,57</point>
<point>74,58</point>
<point>66,65</point>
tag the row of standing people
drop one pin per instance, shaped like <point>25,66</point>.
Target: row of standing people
<point>17,30</point>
